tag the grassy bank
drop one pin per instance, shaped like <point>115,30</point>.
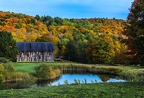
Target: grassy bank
<point>129,73</point>
<point>29,67</point>
<point>98,90</point>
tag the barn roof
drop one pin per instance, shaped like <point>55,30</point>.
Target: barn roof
<point>35,46</point>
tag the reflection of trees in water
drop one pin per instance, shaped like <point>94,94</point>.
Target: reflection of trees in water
<point>104,78</point>
<point>46,82</point>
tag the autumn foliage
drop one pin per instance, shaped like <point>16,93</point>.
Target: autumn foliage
<point>93,40</point>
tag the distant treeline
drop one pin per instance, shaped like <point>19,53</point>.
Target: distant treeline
<point>93,40</point>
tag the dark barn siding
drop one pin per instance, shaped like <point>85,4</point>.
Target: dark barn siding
<point>35,51</point>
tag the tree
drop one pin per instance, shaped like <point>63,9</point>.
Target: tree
<point>8,47</point>
<point>43,71</point>
<point>135,31</point>
<point>71,51</point>
<point>103,50</point>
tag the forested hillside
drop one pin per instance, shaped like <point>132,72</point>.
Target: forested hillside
<point>95,40</point>
<point>22,27</point>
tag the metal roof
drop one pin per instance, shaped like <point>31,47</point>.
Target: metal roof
<point>35,46</point>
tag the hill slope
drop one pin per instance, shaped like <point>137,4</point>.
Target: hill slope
<point>77,40</point>
<point>22,27</point>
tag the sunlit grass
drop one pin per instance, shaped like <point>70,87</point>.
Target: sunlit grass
<point>29,67</point>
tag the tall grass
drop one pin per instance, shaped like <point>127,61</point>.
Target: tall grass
<point>132,74</point>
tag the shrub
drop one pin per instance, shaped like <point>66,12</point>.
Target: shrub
<point>21,77</point>
<point>57,72</point>
<point>9,67</point>
<point>1,78</point>
<point>105,70</point>
<point>3,60</point>
<point>52,75</point>
<point>133,75</point>
<point>45,72</point>
<point>1,69</point>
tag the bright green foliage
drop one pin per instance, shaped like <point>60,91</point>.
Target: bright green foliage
<point>8,47</point>
<point>135,31</point>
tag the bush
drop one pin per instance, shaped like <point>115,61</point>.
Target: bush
<point>3,60</point>
<point>1,69</point>
<point>45,72</point>
<point>133,75</point>
<point>105,70</point>
<point>52,75</point>
<point>9,67</point>
<point>21,77</point>
<point>1,78</point>
<point>57,72</point>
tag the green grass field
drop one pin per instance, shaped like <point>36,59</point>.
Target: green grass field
<point>25,67</point>
<point>29,67</point>
<point>98,90</point>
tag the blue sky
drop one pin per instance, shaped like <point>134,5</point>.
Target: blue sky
<point>69,8</point>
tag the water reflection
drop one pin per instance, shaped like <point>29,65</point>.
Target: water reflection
<point>65,78</point>
<point>82,78</point>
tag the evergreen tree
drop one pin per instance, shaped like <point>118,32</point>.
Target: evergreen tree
<point>71,51</point>
<point>8,47</point>
<point>135,31</point>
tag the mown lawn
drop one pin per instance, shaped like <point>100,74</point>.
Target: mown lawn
<point>98,90</point>
<point>29,67</point>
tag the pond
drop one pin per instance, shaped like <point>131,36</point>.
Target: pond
<point>66,78</point>
<point>80,78</point>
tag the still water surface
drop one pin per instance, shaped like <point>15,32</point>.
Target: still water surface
<point>88,78</point>
<point>69,78</point>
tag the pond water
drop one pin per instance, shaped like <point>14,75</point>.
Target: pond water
<point>66,78</point>
<point>81,78</point>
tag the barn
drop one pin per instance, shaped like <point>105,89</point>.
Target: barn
<point>35,52</point>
